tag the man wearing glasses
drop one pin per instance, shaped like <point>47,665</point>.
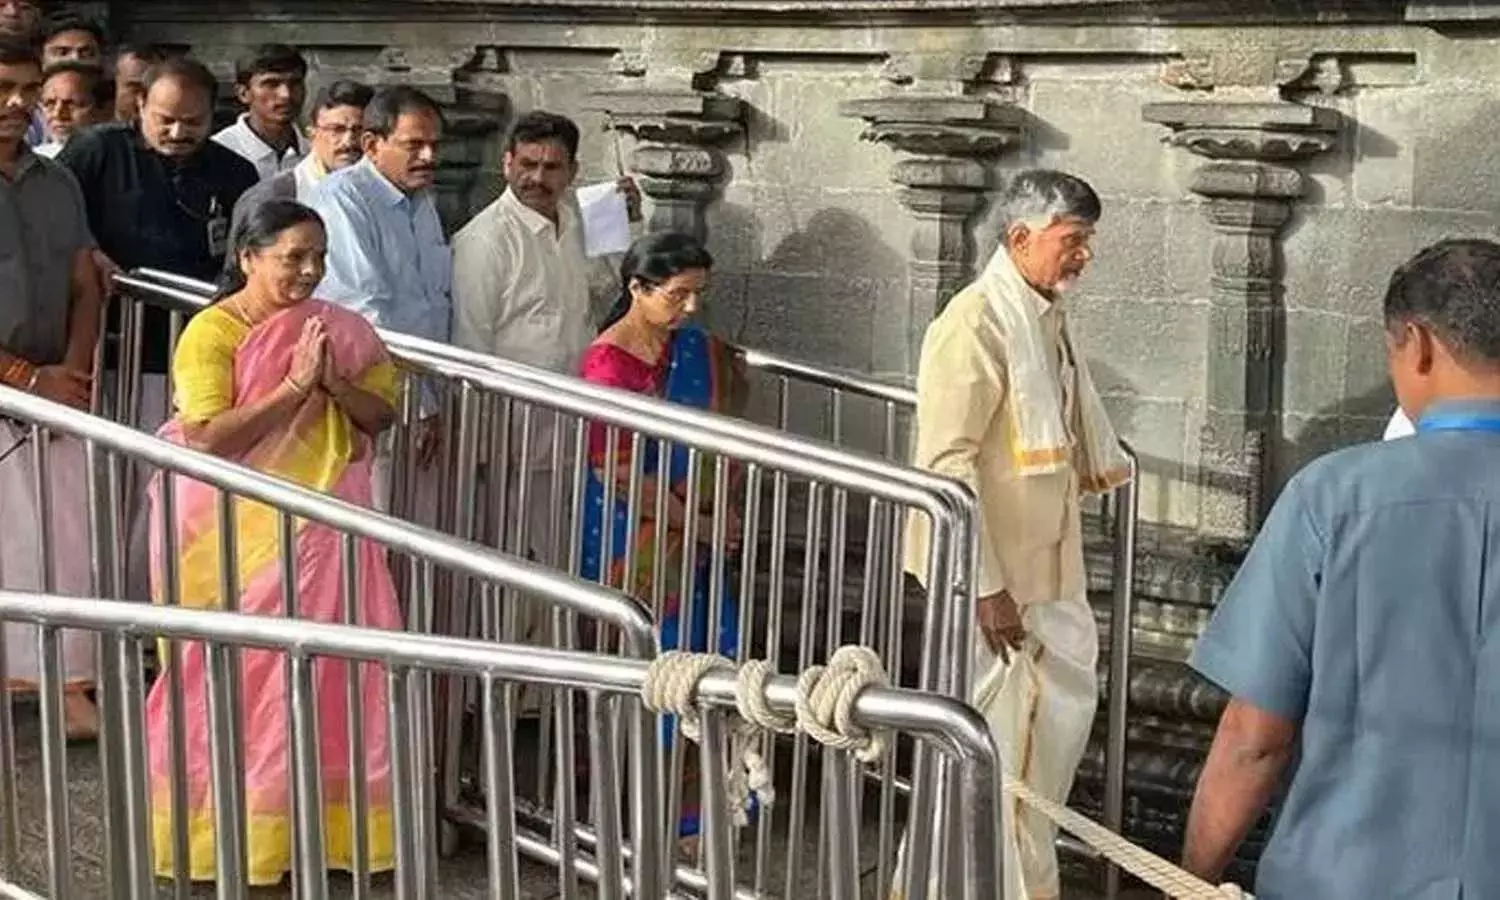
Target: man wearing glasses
<point>334,144</point>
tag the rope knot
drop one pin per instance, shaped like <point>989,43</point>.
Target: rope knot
<point>826,696</point>
<point>824,709</point>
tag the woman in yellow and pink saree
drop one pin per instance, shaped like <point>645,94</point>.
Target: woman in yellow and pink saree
<point>270,378</point>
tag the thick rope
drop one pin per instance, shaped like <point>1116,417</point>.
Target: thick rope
<point>1138,861</point>
<point>825,711</point>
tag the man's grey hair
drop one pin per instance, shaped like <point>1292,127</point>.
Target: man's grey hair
<point>1037,198</point>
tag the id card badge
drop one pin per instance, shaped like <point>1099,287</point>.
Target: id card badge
<point>218,231</point>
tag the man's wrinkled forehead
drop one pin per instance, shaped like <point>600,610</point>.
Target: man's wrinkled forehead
<point>537,152</point>
<point>65,83</point>
<point>1071,226</point>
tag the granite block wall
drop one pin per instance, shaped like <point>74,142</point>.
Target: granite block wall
<point>1263,165</point>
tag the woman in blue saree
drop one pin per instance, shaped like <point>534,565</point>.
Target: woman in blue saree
<point>647,346</point>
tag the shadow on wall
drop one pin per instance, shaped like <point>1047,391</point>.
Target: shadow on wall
<point>1355,419</point>
<point>816,294</point>
<point>831,292</point>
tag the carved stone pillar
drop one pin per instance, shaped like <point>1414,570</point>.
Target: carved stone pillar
<point>680,122</point>
<point>949,140</point>
<point>1252,143</point>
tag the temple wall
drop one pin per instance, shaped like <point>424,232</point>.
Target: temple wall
<point>1263,169</point>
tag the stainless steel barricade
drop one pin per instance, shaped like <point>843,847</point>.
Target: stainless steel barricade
<point>521,434</point>
<point>402,662</point>
<point>495,579</point>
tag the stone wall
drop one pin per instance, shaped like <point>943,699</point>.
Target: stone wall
<point>1264,167</point>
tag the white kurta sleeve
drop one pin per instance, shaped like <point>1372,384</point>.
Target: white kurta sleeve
<point>479,289</point>
<point>960,389</point>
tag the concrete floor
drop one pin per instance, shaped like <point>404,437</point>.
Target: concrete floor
<point>462,876</point>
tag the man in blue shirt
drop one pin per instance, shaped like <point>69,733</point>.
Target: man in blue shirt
<point>1355,641</point>
<point>387,256</point>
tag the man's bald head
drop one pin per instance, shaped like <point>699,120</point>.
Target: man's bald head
<point>178,105</point>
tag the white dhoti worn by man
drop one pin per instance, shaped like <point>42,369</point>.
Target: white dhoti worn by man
<point>1006,407</point>
<point>68,550</point>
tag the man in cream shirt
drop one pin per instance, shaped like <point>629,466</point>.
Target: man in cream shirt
<point>1005,405</point>
<point>524,290</point>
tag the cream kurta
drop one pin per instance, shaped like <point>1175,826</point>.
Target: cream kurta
<point>1040,705</point>
<point>1031,540</point>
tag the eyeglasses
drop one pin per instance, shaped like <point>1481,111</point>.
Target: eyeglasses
<point>338,131</point>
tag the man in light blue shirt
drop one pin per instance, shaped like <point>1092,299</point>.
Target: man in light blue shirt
<point>1360,641</point>
<point>387,256</point>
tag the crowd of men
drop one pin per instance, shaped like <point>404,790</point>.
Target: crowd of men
<point>110,160</point>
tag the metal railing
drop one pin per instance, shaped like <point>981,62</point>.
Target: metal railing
<point>522,434</point>
<point>361,533</point>
<point>399,660</point>
<point>841,398</point>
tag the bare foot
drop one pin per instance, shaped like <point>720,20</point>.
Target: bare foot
<point>80,717</point>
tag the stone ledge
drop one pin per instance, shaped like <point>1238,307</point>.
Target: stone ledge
<point>862,12</point>
<point>1452,11</point>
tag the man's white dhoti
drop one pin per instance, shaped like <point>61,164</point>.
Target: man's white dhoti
<point>1040,708</point>
<point>20,551</point>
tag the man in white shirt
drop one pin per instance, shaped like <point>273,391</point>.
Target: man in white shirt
<point>523,287</point>
<point>271,83</point>
<point>334,134</point>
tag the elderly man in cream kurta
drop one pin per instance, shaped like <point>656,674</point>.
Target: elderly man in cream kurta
<point>1006,406</point>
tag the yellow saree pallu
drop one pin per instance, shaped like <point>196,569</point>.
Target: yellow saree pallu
<point>223,363</point>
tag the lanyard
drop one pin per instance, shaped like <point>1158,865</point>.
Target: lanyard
<point>1459,422</point>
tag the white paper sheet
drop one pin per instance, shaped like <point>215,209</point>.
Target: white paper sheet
<point>606,219</point>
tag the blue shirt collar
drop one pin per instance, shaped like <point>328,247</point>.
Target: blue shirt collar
<point>384,190</point>
<point>1478,406</point>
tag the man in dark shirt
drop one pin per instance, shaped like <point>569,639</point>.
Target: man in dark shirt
<point>159,193</point>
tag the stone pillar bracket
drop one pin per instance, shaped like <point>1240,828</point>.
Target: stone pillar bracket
<point>936,125</point>
<point>680,133</point>
<point>947,142</point>
<point>1249,179</point>
<point>1263,132</point>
